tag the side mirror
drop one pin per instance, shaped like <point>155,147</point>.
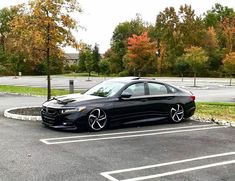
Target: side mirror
<point>125,95</point>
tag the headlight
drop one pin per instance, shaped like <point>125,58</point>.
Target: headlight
<point>70,110</point>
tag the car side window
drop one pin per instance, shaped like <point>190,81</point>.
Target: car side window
<point>172,89</point>
<point>157,89</point>
<point>137,89</point>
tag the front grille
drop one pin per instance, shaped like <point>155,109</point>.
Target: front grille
<point>49,110</point>
<point>49,115</point>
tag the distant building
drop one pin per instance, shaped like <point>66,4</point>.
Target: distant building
<point>71,58</point>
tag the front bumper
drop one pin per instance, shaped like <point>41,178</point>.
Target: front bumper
<point>54,119</point>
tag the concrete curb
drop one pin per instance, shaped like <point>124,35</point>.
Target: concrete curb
<point>7,114</point>
<point>216,121</point>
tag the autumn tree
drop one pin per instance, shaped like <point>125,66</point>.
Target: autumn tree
<point>210,44</point>
<point>229,65</point>
<point>140,56</point>
<point>228,30</point>
<point>47,25</point>
<point>191,27</point>
<point>218,18</point>
<point>196,58</point>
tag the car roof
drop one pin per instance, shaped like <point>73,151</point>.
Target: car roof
<point>132,79</point>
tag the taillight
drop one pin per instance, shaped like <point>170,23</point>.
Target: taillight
<point>193,98</point>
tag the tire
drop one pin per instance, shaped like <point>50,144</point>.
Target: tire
<point>97,120</point>
<point>177,113</point>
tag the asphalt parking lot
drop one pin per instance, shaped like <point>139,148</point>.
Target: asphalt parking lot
<point>160,151</point>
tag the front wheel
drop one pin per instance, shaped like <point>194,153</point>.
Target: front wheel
<point>97,120</point>
<point>177,113</point>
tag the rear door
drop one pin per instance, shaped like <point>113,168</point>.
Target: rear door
<point>160,99</point>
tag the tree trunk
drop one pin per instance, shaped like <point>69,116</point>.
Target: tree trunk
<point>182,76</point>
<point>89,74</point>
<point>48,63</point>
<point>194,82</point>
<point>230,82</point>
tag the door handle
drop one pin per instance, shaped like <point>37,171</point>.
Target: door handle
<point>171,97</point>
<point>144,100</point>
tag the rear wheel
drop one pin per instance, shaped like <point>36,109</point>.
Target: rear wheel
<point>97,120</point>
<point>177,113</point>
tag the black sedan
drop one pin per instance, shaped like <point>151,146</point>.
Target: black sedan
<point>120,100</point>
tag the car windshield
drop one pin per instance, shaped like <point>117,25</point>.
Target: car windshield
<point>105,89</point>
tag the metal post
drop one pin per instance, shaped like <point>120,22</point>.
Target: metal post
<point>71,86</point>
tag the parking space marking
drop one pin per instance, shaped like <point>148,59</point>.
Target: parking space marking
<point>132,134</point>
<point>112,178</point>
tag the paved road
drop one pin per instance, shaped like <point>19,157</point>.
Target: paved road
<point>208,89</point>
<point>161,151</point>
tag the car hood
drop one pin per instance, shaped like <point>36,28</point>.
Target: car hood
<point>69,100</point>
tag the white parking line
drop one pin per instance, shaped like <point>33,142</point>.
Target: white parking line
<point>131,134</point>
<point>111,178</point>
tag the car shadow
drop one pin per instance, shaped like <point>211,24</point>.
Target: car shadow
<point>122,126</point>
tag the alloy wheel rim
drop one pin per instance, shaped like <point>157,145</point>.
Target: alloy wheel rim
<point>97,119</point>
<point>177,113</point>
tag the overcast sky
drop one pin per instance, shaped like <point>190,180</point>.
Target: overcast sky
<point>100,17</point>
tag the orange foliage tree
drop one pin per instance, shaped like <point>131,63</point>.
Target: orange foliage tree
<point>229,65</point>
<point>141,54</point>
<point>228,30</point>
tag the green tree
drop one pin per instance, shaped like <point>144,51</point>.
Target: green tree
<point>96,58</point>
<point>182,67</point>
<point>120,39</point>
<point>86,56</point>
<point>196,58</point>
<point>168,38</point>
<point>6,16</point>
<point>17,62</point>
<point>217,14</point>
<point>104,66</point>
<point>81,62</point>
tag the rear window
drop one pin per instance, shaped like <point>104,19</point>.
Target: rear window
<point>157,89</point>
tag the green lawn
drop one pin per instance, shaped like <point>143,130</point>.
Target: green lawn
<point>31,90</point>
<point>216,110</point>
<point>84,74</point>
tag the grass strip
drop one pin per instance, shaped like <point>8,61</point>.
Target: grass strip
<point>31,90</point>
<point>216,110</point>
